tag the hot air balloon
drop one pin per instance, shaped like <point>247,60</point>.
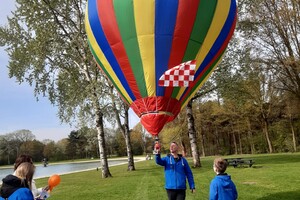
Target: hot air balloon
<point>135,42</point>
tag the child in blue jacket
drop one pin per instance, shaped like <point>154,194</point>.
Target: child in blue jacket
<point>177,170</point>
<point>17,187</point>
<point>222,187</point>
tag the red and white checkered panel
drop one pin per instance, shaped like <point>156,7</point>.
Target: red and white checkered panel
<point>179,76</point>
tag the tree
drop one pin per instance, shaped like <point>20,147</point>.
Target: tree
<point>33,148</point>
<point>62,149</point>
<point>192,135</point>
<point>77,144</point>
<point>292,113</point>
<point>145,138</point>
<point>123,127</point>
<point>49,150</point>
<point>277,44</point>
<point>277,40</point>
<point>6,148</point>
<point>47,46</point>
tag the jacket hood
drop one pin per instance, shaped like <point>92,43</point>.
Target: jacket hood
<point>224,179</point>
<point>9,185</point>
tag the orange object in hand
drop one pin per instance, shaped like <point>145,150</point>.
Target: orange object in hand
<point>157,146</point>
<point>53,181</point>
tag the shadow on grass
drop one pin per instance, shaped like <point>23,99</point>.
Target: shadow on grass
<point>257,166</point>
<point>292,195</point>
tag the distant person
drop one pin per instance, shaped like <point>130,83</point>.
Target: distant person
<point>45,162</point>
<point>27,158</point>
<point>177,170</point>
<point>222,187</point>
<point>18,186</point>
<point>148,157</point>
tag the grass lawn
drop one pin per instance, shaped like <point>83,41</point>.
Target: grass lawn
<point>272,177</point>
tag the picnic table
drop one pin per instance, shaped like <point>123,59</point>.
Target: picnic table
<point>235,162</point>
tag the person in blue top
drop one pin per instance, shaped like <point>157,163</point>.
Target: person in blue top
<point>177,170</point>
<point>18,186</point>
<point>222,187</point>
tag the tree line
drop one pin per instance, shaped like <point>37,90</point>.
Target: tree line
<point>80,144</point>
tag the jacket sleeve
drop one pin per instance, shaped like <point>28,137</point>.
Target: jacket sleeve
<point>235,192</point>
<point>159,160</point>
<point>213,195</point>
<point>35,191</point>
<point>189,174</point>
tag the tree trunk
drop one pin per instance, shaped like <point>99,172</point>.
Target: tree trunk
<point>293,135</point>
<point>124,128</point>
<point>235,144</point>
<point>101,142</point>
<point>266,130</point>
<point>217,150</point>
<point>252,147</point>
<point>126,133</point>
<point>202,141</point>
<point>192,135</point>
<point>240,143</point>
<point>240,139</point>
<point>144,140</point>
<point>183,149</point>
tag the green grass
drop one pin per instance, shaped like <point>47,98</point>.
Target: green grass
<point>274,176</point>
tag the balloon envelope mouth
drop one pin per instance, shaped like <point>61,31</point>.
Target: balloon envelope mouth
<point>155,112</point>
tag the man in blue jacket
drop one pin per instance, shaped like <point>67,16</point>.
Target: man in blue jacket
<point>177,170</point>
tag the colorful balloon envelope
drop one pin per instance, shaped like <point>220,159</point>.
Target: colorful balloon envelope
<point>136,41</point>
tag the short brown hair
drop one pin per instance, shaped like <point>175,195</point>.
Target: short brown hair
<point>22,158</point>
<point>220,165</point>
<point>174,143</point>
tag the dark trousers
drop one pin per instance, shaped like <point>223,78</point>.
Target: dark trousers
<point>176,194</point>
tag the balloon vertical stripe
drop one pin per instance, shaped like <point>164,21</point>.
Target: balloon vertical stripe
<point>110,27</point>
<point>110,76</point>
<point>165,19</point>
<point>102,43</point>
<point>205,14</point>
<point>184,25</point>
<point>213,33</point>
<point>214,63</point>
<point>144,23</point>
<point>185,21</point>
<point>216,51</point>
<point>92,16</point>
<point>125,20</point>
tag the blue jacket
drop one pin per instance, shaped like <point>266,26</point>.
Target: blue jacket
<point>13,188</point>
<point>176,172</point>
<point>222,188</point>
<point>20,194</point>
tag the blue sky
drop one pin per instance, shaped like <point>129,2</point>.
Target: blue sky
<point>18,106</point>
